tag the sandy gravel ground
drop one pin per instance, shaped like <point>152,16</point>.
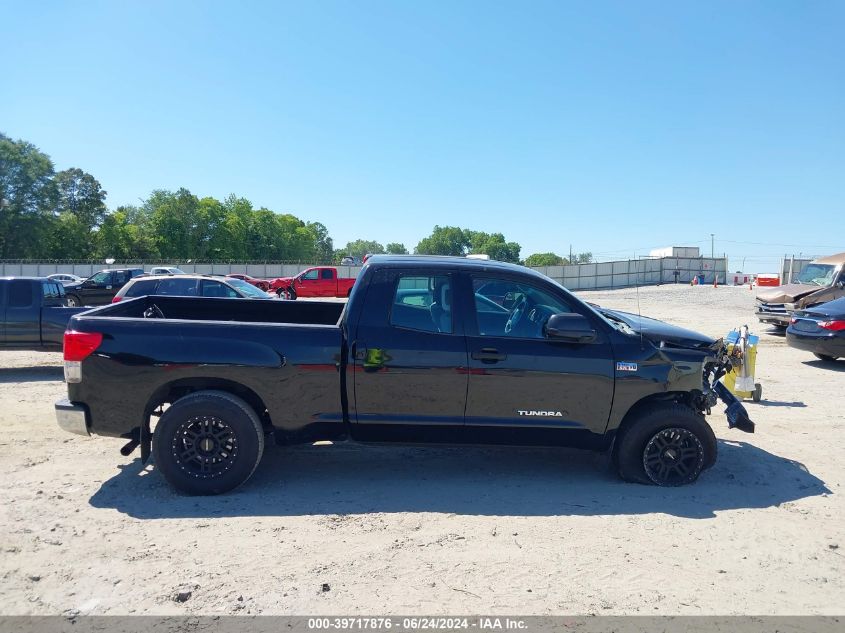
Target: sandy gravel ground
<point>352,529</point>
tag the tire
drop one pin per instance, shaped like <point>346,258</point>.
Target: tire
<point>825,357</point>
<point>216,417</point>
<point>73,301</point>
<point>649,446</point>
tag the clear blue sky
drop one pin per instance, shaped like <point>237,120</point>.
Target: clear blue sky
<point>613,126</point>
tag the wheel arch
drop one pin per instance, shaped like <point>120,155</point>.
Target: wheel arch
<point>172,391</point>
<point>666,397</point>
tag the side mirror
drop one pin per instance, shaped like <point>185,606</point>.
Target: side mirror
<point>570,326</point>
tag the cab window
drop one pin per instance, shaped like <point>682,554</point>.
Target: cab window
<point>423,303</point>
<point>311,275</point>
<point>513,308</point>
<point>20,294</point>
<point>327,273</point>
<point>101,278</point>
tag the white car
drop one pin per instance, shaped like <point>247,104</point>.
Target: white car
<point>65,278</point>
<point>166,270</point>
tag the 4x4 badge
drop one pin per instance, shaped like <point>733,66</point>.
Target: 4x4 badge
<point>621,366</point>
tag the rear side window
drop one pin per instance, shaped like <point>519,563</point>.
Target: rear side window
<point>50,291</point>
<point>121,277</point>
<point>20,294</point>
<point>141,288</point>
<point>178,287</point>
<point>212,288</point>
<point>134,273</point>
<point>423,303</point>
<point>326,273</point>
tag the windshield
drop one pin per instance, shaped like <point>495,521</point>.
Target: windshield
<point>247,289</point>
<point>818,274</point>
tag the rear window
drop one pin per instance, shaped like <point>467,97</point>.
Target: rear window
<point>141,288</point>
<point>178,287</point>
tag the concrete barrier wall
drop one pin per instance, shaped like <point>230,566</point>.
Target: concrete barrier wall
<point>597,276</point>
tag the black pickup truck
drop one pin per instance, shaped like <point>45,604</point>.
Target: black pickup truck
<point>426,350</point>
<point>32,313</point>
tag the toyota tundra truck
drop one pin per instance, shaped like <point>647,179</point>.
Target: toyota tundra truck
<point>426,350</point>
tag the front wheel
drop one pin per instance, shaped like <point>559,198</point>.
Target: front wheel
<point>665,445</point>
<point>208,442</point>
<point>73,301</point>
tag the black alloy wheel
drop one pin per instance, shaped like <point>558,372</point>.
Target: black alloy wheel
<point>673,457</point>
<point>205,446</point>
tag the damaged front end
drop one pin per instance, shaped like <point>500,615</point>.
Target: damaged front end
<point>715,368</point>
<point>716,358</point>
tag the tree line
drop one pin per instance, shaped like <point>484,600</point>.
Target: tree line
<point>49,214</point>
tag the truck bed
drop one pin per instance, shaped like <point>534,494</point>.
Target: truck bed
<point>285,356</point>
<point>219,309</point>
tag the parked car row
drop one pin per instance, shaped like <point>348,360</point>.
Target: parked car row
<point>811,307</point>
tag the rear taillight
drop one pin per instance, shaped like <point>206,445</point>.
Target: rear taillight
<point>80,345</point>
<point>116,299</point>
<point>834,326</point>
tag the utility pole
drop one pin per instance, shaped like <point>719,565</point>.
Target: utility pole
<point>712,250</point>
<point>570,253</point>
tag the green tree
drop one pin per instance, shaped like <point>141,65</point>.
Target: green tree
<point>359,248</point>
<point>27,199</point>
<point>494,245</point>
<point>545,259</point>
<point>79,193</point>
<point>323,244</point>
<point>396,248</point>
<point>69,237</point>
<point>125,234</point>
<point>444,240</point>
<point>174,223</point>
<point>583,258</point>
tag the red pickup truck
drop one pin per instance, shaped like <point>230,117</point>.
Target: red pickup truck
<point>321,281</point>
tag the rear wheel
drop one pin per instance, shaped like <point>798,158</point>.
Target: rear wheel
<point>208,442</point>
<point>825,357</point>
<point>73,301</point>
<point>665,445</point>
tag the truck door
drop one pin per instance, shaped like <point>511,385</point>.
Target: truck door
<point>95,290</point>
<point>307,284</point>
<point>410,358</point>
<point>23,313</point>
<point>328,283</point>
<point>521,382</point>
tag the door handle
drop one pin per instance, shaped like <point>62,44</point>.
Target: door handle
<point>489,355</point>
<point>359,352</point>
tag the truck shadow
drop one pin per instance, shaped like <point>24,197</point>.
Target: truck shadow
<point>353,479</point>
<point>35,373</point>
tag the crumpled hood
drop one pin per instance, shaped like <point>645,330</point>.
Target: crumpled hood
<point>660,331</point>
<point>785,294</point>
